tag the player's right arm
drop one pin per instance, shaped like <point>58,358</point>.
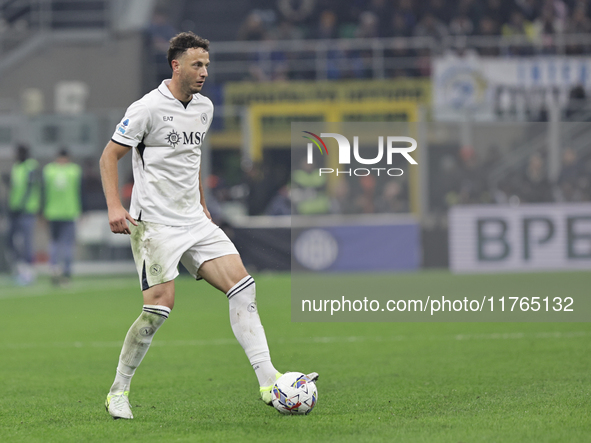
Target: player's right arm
<point>118,216</point>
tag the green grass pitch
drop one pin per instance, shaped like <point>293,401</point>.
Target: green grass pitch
<point>408,382</point>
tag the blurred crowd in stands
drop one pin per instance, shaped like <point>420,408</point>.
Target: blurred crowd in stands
<point>465,179</point>
<point>327,19</point>
<point>538,22</point>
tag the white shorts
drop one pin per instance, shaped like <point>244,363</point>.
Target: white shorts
<point>157,249</point>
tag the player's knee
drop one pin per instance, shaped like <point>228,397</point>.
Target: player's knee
<point>160,295</point>
<point>163,300</point>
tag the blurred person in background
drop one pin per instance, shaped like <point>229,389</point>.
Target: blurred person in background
<point>529,8</point>
<point>327,26</point>
<point>391,200</point>
<point>551,21</point>
<point>406,9</point>
<point>488,27</point>
<point>286,30</point>
<point>382,9</point>
<point>280,204</point>
<point>23,205</point>
<point>62,182</point>
<point>431,26</point>
<point>572,180</point>
<point>535,186</point>
<point>518,26</point>
<point>368,26</point>
<point>497,11</point>
<point>446,183</point>
<point>253,28</point>
<point>296,11</point>
<point>258,192</point>
<point>399,28</point>
<point>579,23</point>
<point>461,25</point>
<point>361,61</point>
<point>439,8</point>
<point>309,191</point>
<point>364,202</point>
<point>577,102</point>
<point>472,183</point>
<point>341,201</point>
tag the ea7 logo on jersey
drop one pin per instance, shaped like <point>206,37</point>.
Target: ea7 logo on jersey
<point>167,118</point>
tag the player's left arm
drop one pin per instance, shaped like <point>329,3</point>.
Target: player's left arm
<point>202,194</point>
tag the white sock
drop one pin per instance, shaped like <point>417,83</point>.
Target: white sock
<point>249,331</point>
<point>136,344</point>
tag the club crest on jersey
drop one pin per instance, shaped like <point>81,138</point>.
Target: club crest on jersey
<point>204,118</point>
<point>173,138</point>
<point>155,269</point>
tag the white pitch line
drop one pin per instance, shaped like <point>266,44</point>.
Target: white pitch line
<point>313,340</point>
<point>77,287</point>
<point>521,335</point>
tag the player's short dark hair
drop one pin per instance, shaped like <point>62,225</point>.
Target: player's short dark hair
<point>183,41</point>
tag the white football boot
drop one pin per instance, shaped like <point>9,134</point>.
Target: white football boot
<point>118,405</point>
<point>313,376</point>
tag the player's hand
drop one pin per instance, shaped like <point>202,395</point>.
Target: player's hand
<point>207,214</point>
<point>118,220</point>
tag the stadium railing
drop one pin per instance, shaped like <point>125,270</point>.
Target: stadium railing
<point>371,58</point>
<point>27,25</point>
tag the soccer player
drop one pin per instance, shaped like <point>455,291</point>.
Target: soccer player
<point>168,217</point>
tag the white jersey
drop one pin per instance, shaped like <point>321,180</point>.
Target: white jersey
<point>166,139</point>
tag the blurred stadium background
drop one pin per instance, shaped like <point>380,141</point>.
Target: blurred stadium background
<point>497,90</point>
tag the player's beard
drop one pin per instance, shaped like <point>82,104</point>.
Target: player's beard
<point>190,87</point>
<point>195,88</point>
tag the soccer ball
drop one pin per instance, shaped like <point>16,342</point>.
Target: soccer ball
<point>294,393</point>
